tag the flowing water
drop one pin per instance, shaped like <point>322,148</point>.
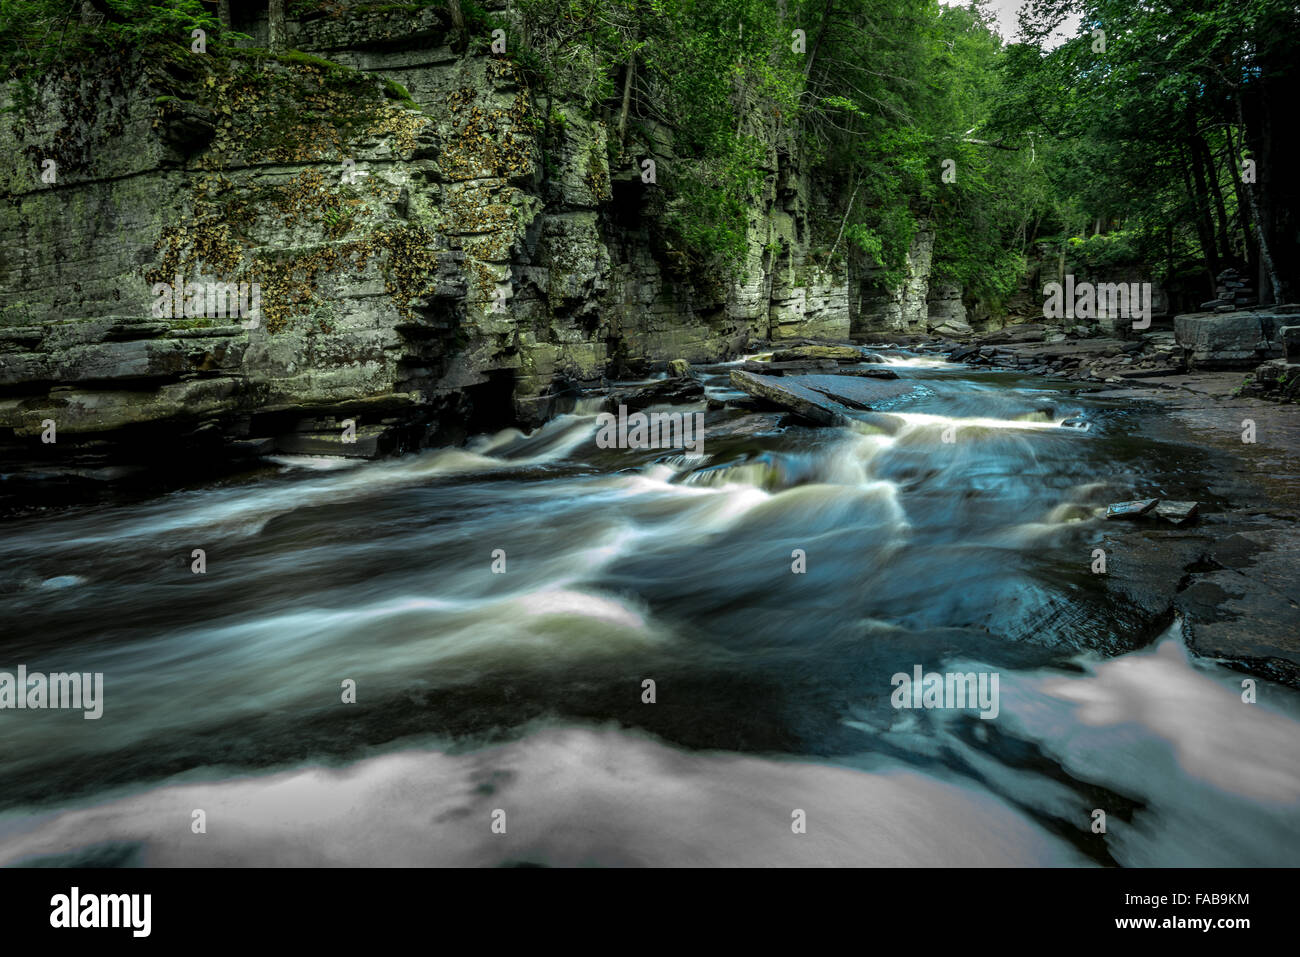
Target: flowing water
<point>958,537</point>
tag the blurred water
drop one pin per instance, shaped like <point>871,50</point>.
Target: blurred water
<point>958,539</point>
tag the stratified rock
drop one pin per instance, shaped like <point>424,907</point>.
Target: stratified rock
<point>1135,509</point>
<point>1177,512</point>
<point>1230,340</point>
<point>954,328</point>
<point>371,441</point>
<point>802,353</point>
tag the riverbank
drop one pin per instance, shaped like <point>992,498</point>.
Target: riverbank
<point>1232,574</point>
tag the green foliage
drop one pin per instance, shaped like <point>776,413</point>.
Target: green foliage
<point>1104,250</point>
<point>1046,149</point>
<point>36,35</point>
<point>1144,137</point>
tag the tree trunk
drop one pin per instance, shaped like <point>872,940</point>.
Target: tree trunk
<point>1272,291</point>
<point>821,35</point>
<point>1231,159</point>
<point>457,19</point>
<point>1206,162</point>
<point>627,99</point>
<point>223,14</point>
<point>277,29</point>
<point>1201,213</point>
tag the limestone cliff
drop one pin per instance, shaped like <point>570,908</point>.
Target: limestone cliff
<point>436,250</point>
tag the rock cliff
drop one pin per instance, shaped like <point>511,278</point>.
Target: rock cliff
<point>437,249</point>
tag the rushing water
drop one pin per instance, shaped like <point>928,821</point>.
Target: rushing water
<point>958,538</point>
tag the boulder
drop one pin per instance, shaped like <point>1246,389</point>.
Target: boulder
<point>1229,340</point>
<point>679,369</point>
<point>663,392</point>
<point>954,327</point>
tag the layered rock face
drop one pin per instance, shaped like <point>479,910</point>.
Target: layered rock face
<point>1234,340</point>
<point>880,308</point>
<point>433,250</point>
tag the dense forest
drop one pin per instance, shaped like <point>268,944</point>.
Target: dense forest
<point>1155,137</point>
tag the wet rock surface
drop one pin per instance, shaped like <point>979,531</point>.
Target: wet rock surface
<point>1228,569</point>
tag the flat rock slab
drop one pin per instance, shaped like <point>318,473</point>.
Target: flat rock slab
<point>1177,512</point>
<point>855,391</point>
<point>788,394</point>
<point>1134,509</point>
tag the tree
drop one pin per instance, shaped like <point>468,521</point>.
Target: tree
<point>277,29</point>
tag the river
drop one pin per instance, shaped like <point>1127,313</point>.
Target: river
<point>500,607</point>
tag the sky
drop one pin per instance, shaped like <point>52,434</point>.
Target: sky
<point>1008,25</point>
